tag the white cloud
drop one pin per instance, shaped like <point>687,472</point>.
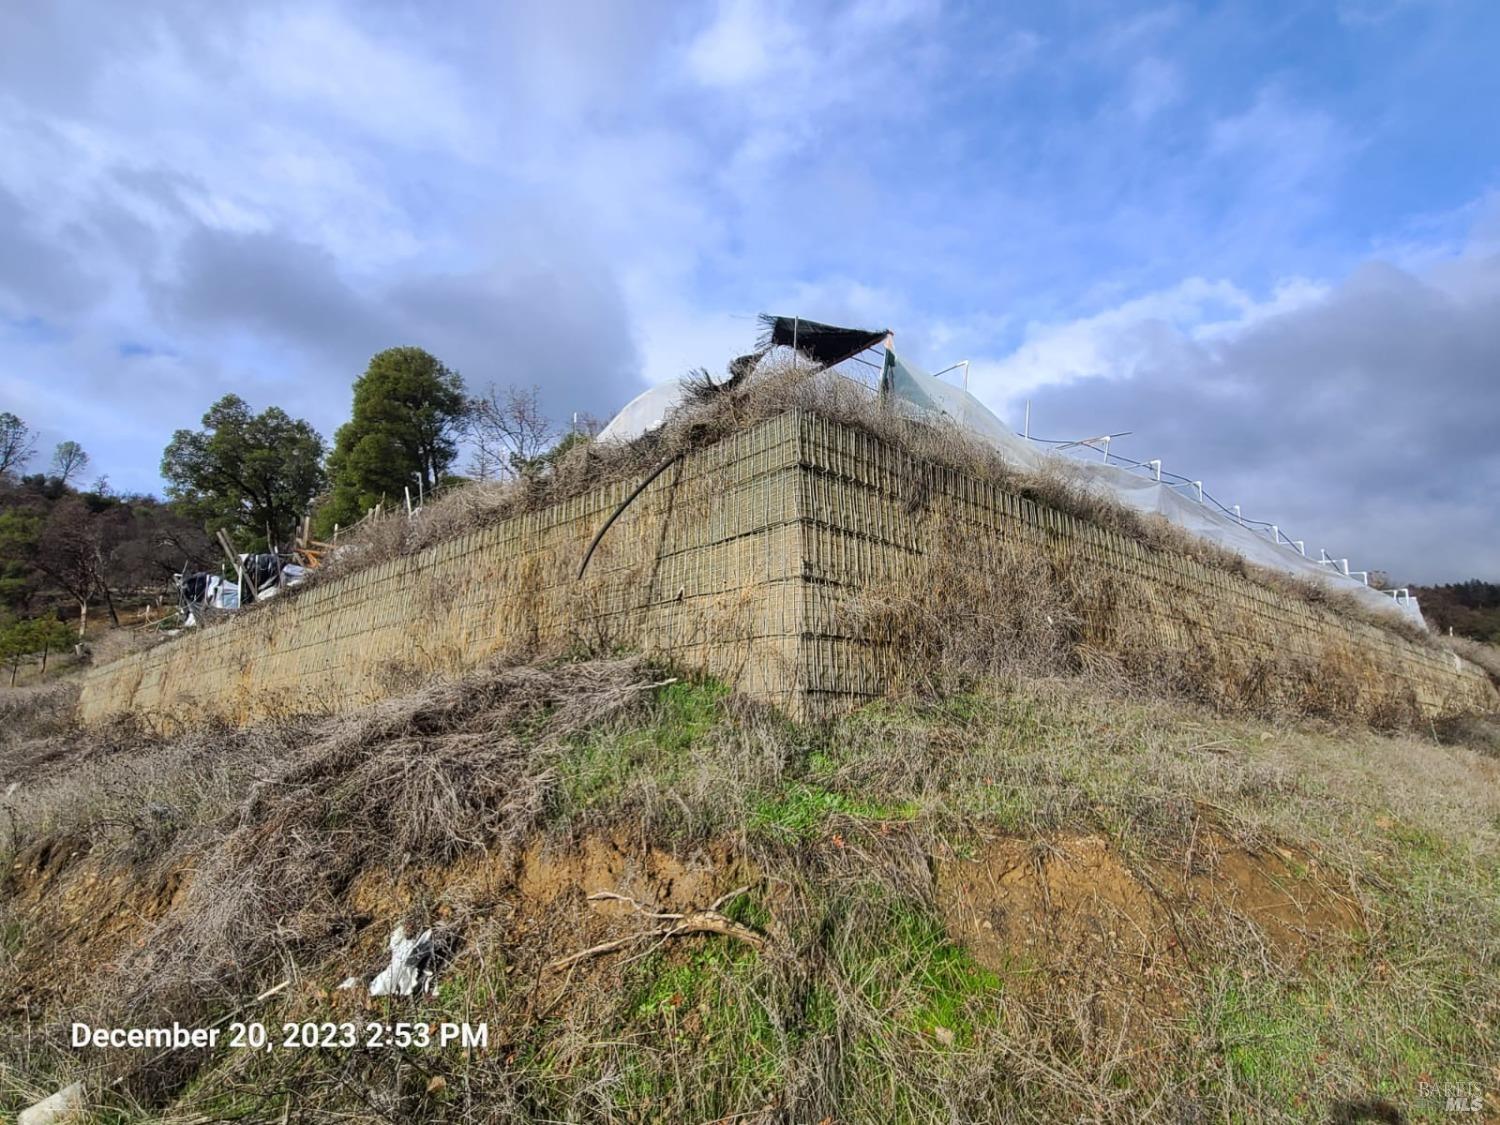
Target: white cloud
<point>1108,344</point>
<point>1359,412</point>
<point>742,45</point>
<point>315,56</point>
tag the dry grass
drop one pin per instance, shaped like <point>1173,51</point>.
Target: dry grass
<point>275,821</point>
<point>1477,652</point>
<point>26,710</point>
<point>115,643</point>
<point>230,860</point>
<point>976,607</point>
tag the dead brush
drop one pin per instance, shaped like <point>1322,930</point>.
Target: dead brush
<point>37,711</point>
<point>459,766</point>
<point>977,604</point>
<point>861,1005</point>
<point>975,607</point>
<point>122,642</point>
<point>1477,652</point>
<point>1480,733</point>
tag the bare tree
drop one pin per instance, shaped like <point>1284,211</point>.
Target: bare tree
<point>17,443</point>
<point>508,431</point>
<point>70,552</point>
<point>68,458</point>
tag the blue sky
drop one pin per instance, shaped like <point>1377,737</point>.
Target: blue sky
<point>1265,238</point>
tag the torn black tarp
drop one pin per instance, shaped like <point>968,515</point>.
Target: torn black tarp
<point>824,344</point>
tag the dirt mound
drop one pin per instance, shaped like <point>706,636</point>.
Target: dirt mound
<point>538,906</point>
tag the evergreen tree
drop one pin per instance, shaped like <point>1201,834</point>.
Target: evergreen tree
<point>408,410</point>
<point>253,475</point>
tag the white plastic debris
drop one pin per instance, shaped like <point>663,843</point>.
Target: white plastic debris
<point>64,1106</point>
<point>12,787</point>
<point>348,983</point>
<point>410,969</point>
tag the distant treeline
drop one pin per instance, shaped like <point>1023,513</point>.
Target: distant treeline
<point>65,547</point>
<point>1470,609</point>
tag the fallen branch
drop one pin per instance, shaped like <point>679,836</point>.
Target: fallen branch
<point>708,921</point>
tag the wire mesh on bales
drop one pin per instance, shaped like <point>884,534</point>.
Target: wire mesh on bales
<point>790,535</point>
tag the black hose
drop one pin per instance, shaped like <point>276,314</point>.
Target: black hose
<point>625,503</point>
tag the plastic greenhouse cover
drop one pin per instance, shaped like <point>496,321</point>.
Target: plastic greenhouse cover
<point>926,394</point>
<point>923,394</point>
<point>645,412</point>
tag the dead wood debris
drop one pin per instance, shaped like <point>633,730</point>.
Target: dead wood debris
<point>709,921</point>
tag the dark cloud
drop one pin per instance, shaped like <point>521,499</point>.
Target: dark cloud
<point>269,282</point>
<point>562,327</point>
<point>1363,421</point>
<point>40,277</point>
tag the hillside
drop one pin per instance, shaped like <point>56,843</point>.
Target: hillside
<point>1030,900</point>
<point>1470,609</point>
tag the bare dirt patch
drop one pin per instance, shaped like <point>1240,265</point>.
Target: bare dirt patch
<point>1046,910</point>
<point>87,912</point>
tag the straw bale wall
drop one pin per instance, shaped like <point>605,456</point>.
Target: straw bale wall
<point>874,516</point>
<point>704,567</point>
<point>747,559</point>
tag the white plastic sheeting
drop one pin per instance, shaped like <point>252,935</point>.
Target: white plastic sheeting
<point>65,1106</point>
<point>922,394</point>
<point>1133,489</point>
<point>410,970</point>
<point>645,412</point>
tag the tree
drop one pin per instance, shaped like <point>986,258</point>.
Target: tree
<point>42,636</point>
<point>17,443</point>
<point>15,645</point>
<point>146,542</point>
<point>408,413</point>
<point>508,431</point>
<point>20,526</point>
<point>68,458</point>
<point>1470,609</point>
<point>252,475</point>
<point>70,552</point>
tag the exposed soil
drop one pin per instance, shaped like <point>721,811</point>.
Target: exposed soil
<point>1035,910</point>
<point>1038,910</point>
<point>89,913</point>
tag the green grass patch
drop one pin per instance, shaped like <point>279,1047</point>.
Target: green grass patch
<point>802,810</point>
<point>597,768</point>
<point>906,968</point>
<point>698,1020</point>
<point>1341,1036</point>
